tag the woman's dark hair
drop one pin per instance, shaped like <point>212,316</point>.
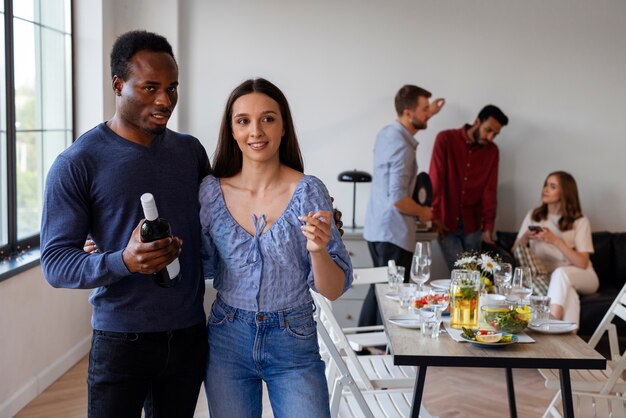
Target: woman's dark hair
<point>570,205</point>
<point>228,157</point>
<point>129,43</point>
<point>407,97</point>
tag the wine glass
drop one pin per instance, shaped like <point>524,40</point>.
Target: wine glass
<point>420,270</point>
<point>522,283</point>
<point>502,276</point>
<point>422,248</point>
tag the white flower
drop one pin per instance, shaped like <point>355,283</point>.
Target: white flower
<point>464,261</point>
<point>487,263</point>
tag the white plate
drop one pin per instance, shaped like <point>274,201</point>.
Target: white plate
<point>554,326</point>
<point>406,321</point>
<point>443,284</point>
<point>393,296</point>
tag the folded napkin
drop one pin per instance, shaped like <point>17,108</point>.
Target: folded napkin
<point>456,335</point>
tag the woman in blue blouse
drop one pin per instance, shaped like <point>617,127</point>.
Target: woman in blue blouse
<point>268,237</point>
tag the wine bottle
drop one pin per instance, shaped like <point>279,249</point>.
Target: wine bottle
<point>155,228</point>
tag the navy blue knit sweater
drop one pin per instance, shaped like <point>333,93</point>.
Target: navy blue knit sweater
<point>93,188</point>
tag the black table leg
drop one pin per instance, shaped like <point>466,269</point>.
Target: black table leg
<point>566,394</point>
<point>510,390</point>
<point>418,391</point>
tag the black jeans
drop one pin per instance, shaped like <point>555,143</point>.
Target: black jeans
<point>162,371</point>
<point>381,252</point>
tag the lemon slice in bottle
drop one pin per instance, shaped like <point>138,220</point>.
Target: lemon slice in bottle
<point>489,338</point>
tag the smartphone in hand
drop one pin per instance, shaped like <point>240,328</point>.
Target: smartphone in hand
<point>535,228</point>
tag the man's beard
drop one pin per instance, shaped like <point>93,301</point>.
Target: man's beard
<point>419,125</point>
<point>155,131</point>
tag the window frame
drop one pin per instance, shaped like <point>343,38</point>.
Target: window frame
<point>18,255</point>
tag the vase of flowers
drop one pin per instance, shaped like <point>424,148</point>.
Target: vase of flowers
<point>484,263</point>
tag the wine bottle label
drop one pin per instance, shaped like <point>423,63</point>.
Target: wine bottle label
<point>173,269</point>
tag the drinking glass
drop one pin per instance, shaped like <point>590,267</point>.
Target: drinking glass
<point>392,271</point>
<point>522,283</point>
<point>541,309</point>
<point>502,276</point>
<point>407,294</point>
<point>400,275</point>
<point>420,270</point>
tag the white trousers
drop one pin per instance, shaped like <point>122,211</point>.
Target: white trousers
<point>566,283</point>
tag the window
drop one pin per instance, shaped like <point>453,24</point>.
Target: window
<point>35,112</point>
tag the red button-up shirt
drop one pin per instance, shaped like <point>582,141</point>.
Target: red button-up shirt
<point>464,176</point>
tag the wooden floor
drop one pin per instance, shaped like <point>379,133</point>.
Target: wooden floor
<point>449,392</point>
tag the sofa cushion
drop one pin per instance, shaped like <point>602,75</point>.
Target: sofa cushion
<point>618,273</point>
<point>506,239</point>
<point>592,309</point>
<point>602,259</point>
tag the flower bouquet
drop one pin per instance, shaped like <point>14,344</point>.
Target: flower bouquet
<point>484,263</point>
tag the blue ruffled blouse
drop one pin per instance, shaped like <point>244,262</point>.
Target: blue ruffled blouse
<point>268,271</point>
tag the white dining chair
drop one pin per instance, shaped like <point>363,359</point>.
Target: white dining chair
<point>361,386</point>
<point>362,338</point>
<point>595,405</point>
<point>596,384</point>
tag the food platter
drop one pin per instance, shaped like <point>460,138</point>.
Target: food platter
<point>483,344</point>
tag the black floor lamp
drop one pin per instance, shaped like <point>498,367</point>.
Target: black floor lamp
<point>354,177</point>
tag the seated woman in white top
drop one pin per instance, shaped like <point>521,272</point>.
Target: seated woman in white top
<point>563,244</point>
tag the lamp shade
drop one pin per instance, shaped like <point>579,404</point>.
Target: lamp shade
<point>355,176</point>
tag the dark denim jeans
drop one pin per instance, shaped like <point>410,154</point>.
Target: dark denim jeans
<point>161,370</point>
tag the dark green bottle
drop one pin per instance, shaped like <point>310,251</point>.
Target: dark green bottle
<point>155,228</point>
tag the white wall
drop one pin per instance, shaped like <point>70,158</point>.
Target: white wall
<point>45,331</point>
<point>556,68</point>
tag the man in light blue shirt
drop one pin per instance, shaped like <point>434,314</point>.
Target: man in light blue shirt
<point>391,211</point>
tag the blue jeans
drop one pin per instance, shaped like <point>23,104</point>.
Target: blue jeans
<point>161,371</point>
<point>455,243</point>
<point>280,348</point>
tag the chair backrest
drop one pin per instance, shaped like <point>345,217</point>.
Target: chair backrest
<point>369,275</point>
<point>338,339</point>
<point>617,358</point>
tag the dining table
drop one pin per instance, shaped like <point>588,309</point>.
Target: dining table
<point>548,351</point>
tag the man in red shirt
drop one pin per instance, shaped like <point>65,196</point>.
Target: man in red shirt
<point>464,175</point>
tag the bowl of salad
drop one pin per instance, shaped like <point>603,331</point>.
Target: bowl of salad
<point>507,318</point>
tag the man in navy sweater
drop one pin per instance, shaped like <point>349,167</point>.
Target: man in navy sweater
<point>149,343</point>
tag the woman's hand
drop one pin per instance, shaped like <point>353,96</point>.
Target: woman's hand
<point>546,236</point>
<point>317,230</point>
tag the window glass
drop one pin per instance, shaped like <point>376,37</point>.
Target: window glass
<point>53,79</point>
<point>53,14</point>
<point>25,9</point>
<point>28,175</point>
<point>27,102</point>
<point>4,220</point>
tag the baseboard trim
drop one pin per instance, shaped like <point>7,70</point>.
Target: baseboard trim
<point>43,379</point>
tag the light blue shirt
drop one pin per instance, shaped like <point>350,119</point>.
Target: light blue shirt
<point>395,174</point>
<point>269,271</point>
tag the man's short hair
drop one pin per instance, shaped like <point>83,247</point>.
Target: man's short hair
<point>129,43</point>
<point>407,96</point>
<point>491,111</point>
